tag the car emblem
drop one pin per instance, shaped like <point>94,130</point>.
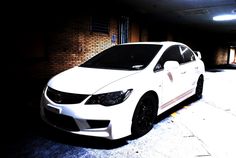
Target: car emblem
<point>58,98</point>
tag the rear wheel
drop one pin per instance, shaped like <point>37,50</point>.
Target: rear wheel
<point>144,115</point>
<point>199,88</point>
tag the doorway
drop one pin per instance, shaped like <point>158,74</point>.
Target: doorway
<point>123,29</point>
<point>232,55</point>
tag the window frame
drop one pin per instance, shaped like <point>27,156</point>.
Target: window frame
<point>160,66</point>
<point>187,50</point>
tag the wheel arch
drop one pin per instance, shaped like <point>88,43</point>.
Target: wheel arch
<point>153,93</point>
<point>137,128</point>
<point>201,76</point>
<point>199,87</point>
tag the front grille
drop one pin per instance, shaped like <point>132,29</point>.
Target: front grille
<point>61,121</point>
<point>65,98</point>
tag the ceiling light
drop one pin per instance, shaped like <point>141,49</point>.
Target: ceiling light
<point>225,17</point>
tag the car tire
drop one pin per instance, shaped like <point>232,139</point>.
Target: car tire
<point>144,115</point>
<point>199,88</point>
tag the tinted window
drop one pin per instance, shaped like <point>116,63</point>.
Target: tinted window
<point>172,53</point>
<point>187,54</point>
<point>128,57</point>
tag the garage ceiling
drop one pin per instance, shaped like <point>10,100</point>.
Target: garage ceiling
<point>197,13</point>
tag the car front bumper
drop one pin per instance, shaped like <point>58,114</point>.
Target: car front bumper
<point>112,122</point>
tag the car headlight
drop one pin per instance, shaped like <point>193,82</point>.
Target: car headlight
<point>109,99</point>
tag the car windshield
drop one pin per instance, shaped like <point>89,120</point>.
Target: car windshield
<point>125,57</point>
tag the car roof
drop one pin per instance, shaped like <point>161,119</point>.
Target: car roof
<point>166,43</point>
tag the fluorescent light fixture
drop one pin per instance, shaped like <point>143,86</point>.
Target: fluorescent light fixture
<point>225,17</point>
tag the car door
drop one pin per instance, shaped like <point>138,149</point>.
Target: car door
<point>172,81</point>
<point>189,68</point>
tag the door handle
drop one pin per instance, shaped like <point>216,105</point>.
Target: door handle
<point>184,72</point>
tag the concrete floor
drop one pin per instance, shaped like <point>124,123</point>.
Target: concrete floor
<point>204,128</point>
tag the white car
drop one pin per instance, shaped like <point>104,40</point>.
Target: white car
<point>120,91</point>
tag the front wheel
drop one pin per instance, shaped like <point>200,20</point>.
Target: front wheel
<point>144,115</point>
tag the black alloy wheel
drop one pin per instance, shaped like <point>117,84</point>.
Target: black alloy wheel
<point>144,115</point>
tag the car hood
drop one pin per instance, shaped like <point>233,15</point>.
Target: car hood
<point>83,80</point>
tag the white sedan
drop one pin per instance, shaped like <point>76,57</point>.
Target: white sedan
<point>121,91</point>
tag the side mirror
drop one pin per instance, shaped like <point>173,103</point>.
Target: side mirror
<point>198,54</point>
<point>170,65</point>
<point>157,67</point>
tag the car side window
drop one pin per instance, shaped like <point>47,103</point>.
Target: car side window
<point>187,54</point>
<point>172,53</point>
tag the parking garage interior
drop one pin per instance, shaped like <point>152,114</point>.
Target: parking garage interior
<point>41,40</point>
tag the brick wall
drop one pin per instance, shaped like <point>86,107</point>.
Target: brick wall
<point>75,43</point>
<point>221,56</point>
<point>64,42</point>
